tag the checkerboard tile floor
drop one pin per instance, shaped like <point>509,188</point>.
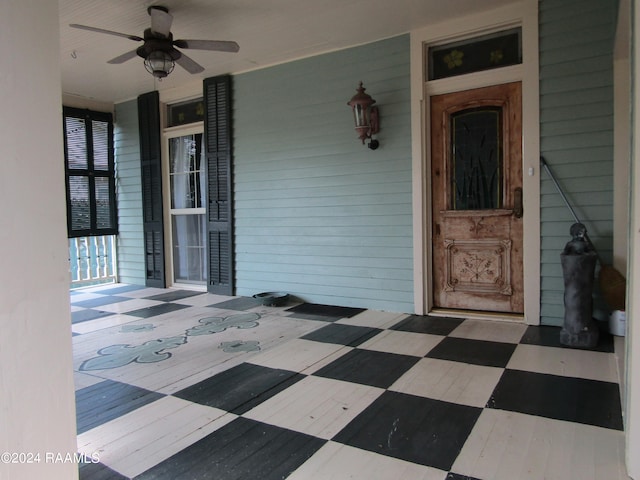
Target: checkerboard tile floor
<point>175,384</point>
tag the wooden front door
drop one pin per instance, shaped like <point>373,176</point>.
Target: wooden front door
<point>476,172</point>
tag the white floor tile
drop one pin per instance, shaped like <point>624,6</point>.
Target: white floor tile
<point>143,292</point>
<point>494,331</point>
<point>143,438</point>
<point>335,461</point>
<point>565,362</point>
<point>316,406</point>
<point>403,343</point>
<point>83,380</point>
<point>508,445</point>
<point>372,318</point>
<point>110,321</point>
<point>202,300</point>
<point>128,305</point>
<point>85,295</point>
<point>300,355</point>
<point>450,381</point>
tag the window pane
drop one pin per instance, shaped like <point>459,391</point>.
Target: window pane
<point>185,112</point>
<point>476,166</point>
<point>495,50</point>
<point>185,155</point>
<point>79,202</point>
<point>76,142</point>
<point>189,248</point>
<point>100,132</point>
<point>103,203</point>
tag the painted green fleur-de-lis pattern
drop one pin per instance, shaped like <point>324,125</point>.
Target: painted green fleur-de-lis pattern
<point>115,356</point>
<point>240,346</point>
<point>211,325</point>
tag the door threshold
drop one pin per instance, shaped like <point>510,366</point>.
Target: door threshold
<point>476,315</point>
<point>188,286</point>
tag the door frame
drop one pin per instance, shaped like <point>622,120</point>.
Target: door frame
<point>524,14</point>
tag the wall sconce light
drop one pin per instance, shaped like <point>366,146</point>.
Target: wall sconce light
<point>366,116</point>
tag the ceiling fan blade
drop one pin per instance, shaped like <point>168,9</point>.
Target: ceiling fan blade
<point>215,45</point>
<point>108,32</point>
<point>124,57</point>
<point>160,20</point>
<point>189,64</point>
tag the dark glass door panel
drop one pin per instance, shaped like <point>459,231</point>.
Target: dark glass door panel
<point>476,172</point>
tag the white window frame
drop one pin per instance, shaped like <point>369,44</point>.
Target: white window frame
<point>172,132</point>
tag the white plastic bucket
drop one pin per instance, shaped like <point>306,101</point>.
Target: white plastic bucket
<point>618,323</point>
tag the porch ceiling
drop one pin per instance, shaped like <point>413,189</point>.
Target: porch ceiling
<point>268,31</point>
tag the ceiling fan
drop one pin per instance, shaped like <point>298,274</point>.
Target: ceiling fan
<point>158,49</point>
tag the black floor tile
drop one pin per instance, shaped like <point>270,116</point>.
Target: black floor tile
<point>416,429</point>
<point>427,324</point>
<point>155,310</point>
<point>98,302</point>
<point>377,369</point>
<point>240,304</point>
<point>326,313</point>
<point>455,476</point>
<point>104,401</point>
<point>89,314</point>
<point>240,388</point>
<point>476,352</point>
<point>340,334</point>
<point>562,398</point>
<point>173,295</point>
<point>98,471</point>
<point>120,289</point>
<point>548,336</point>
<point>243,449</point>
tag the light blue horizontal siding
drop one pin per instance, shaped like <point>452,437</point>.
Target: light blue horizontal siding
<point>576,115</point>
<point>129,194</point>
<point>317,214</point>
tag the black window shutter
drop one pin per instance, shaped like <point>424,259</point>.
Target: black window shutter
<point>151,169</point>
<point>218,138</point>
<point>90,173</point>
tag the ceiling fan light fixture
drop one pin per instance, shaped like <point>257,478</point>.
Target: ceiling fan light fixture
<point>159,48</point>
<point>159,64</point>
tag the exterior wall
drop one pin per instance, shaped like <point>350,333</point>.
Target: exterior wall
<point>37,408</point>
<point>576,116</point>
<point>129,194</point>
<point>317,214</point>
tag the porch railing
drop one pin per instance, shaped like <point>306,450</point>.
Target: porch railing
<point>92,260</point>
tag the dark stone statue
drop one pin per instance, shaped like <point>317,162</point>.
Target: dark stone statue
<point>578,267</point>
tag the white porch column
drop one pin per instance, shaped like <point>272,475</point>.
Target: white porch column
<point>632,418</point>
<point>37,409</point>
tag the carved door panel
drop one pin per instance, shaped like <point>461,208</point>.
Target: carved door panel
<point>476,175</point>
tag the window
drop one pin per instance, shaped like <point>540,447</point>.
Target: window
<point>476,159</point>
<point>90,173</point>
<point>495,50</point>
<point>184,113</point>
<point>187,212</point>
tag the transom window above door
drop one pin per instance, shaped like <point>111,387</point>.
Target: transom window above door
<point>486,52</point>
